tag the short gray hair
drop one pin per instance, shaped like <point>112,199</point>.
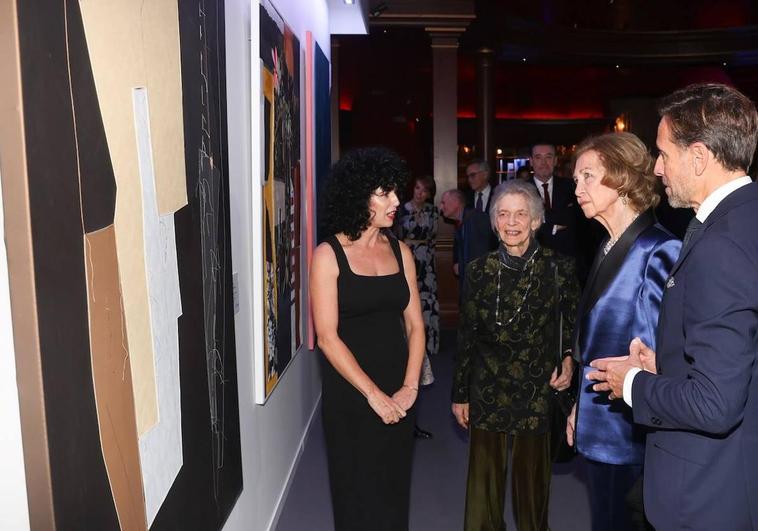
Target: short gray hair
<point>459,196</point>
<point>523,188</point>
<point>481,165</point>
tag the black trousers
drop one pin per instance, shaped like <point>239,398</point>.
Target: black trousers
<point>487,471</point>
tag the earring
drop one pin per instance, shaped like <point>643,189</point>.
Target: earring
<point>624,200</point>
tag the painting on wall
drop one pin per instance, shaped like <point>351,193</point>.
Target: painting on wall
<point>281,195</point>
<point>129,208</point>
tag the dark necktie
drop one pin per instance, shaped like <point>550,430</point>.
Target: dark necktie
<point>694,226</point>
<point>479,202</point>
<point>546,196</point>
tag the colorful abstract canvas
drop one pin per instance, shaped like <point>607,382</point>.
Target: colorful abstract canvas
<point>280,211</point>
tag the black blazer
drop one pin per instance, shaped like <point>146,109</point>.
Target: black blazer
<point>564,211</point>
<point>471,198</point>
<point>473,238</point>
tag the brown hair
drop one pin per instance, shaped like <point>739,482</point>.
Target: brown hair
<point>427,181</point>
<point>628,167</point>
<point>721,117</point>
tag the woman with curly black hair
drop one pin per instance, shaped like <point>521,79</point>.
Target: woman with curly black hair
<point>368,320</point>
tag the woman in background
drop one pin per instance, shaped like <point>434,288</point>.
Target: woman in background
<point>417,227</point>
<point>615,185</point>
<point>368,319</point>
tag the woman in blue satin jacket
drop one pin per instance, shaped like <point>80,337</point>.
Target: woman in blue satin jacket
<point>615,185</point>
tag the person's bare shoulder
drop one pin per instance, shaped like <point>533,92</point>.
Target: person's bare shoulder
<point>324,258</point>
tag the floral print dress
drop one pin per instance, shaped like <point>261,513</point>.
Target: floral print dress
<point>418,229</point>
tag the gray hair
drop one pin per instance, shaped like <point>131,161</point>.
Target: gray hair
<point>481,165</point>
<point>523,188</point>
<point>459,196</point>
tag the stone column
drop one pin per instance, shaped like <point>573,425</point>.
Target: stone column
<point>445,127</point>
<point>445,109</point>
<point>485,105</point>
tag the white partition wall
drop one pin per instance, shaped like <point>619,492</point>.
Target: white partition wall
<point>272,434</point>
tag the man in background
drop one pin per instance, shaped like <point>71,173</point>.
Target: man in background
<point>558,232</point>
<point>473,233</point>
<point>478,176</point>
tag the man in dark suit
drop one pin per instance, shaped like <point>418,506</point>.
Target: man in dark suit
<point>699,394</point>
<point>480,194</point>
<point>558,232</point>
<point>473,233</point>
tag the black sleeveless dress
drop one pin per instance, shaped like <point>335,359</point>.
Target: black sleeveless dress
<point>369,461</point>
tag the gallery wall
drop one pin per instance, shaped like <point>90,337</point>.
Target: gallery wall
<point>272,434</point>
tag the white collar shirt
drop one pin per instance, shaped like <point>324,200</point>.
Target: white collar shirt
<point>541,189</point>
<point>710,203</point>
<point>485,197</point>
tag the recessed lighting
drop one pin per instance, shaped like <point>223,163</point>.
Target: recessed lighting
<point>617,66</point>
<point>723,64</point>
<point>349,2</point>
<point>523,59</point>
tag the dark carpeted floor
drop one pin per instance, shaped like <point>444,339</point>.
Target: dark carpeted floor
<point>439,472</point>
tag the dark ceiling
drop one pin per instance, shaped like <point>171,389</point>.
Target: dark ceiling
<point>563,69</point>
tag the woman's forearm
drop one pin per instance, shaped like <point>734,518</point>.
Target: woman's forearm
<point>416,348</point>
<point>344,362</point>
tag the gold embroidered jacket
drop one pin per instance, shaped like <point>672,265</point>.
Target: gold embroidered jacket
<point>508,339</point>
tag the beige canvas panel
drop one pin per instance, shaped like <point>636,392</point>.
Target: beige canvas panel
<point>160,43</point>
<point>121,60</point>
<point>112,378</point>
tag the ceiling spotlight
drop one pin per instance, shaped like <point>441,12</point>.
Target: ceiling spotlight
<point>724,64</point>
<point>617,66</point>
<point>349,2</point>
<point>523,59</point>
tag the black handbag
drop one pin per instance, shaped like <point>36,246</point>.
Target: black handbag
<point>561,401</point>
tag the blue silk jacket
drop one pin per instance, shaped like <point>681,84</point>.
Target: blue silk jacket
<point>621,301</point>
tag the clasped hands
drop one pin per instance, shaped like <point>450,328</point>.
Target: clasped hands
<point>611,372</point>
<point>392,409</point>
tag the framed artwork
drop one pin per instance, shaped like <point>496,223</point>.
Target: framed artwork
<point>277,312</point>
<point>129,204</point>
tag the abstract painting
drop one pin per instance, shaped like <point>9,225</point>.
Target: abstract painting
<point>280,200</point>
<point>129,204</point>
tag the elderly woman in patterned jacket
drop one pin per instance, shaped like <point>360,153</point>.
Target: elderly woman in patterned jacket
<point>519,301</point>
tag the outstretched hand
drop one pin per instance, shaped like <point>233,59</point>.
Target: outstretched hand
<point>610,374</point>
